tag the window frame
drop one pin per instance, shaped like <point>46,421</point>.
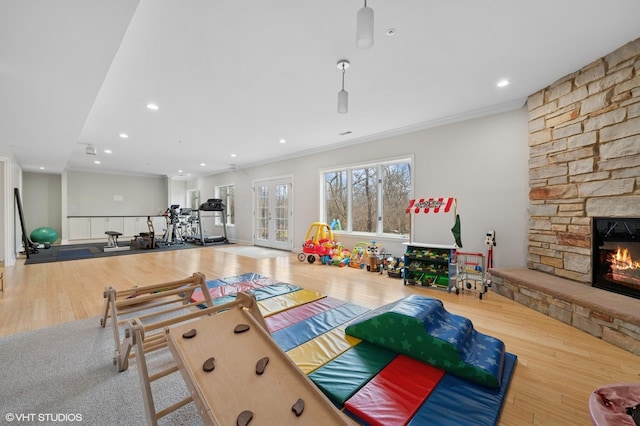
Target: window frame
<point>348,169</point>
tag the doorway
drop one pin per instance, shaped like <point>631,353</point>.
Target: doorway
<point>193,199</point>
<point>273,213</point>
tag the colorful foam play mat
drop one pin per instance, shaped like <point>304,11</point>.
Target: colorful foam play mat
<point>410,362</point>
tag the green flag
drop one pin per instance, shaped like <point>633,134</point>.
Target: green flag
<point>456,231</point>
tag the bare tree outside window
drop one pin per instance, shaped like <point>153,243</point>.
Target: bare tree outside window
<point>369,199</point>
<point>364,200</point>
<point>335,197</point>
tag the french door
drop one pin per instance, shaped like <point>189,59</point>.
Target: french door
<point>273,213</point>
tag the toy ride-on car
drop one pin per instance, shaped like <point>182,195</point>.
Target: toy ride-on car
<point>318,242</point>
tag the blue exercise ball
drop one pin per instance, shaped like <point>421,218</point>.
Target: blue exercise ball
<point>44,235</point>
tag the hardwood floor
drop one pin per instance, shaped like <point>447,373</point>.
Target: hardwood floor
<point>558,366</point>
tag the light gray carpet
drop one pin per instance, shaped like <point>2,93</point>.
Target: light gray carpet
<point>67,369</point>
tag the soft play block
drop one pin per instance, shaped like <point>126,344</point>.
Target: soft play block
<point>303,331</point>
<point>283,302</point>
<point>395,394</point>
<point>476,404</point>
<point>291,316</point>
<point>420,327</point>
<point>315,353</point>
<point>343,376</point>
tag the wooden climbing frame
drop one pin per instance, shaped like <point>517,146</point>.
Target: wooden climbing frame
<point>150,302</point>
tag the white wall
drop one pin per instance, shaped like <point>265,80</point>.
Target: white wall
<point>481,162</point>
<point>102,194</point>
<point>178,193</point>
<point>41,201</point>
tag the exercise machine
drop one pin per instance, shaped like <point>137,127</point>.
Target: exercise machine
<point>187,224</point>
<point>212,205</point>
<point>145,240</point>
<point>171,233</point>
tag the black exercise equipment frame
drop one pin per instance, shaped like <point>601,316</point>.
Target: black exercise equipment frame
<point>212,205</point>
<point>29,246</point>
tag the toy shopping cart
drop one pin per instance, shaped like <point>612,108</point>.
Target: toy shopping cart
<point>472,273</point>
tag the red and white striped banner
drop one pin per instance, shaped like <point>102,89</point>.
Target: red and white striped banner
<point>432,203</point>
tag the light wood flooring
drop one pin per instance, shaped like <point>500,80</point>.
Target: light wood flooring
<point>558,366</point>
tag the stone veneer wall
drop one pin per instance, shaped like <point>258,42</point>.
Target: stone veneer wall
<point>584,160</point>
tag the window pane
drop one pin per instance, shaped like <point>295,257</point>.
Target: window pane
<point>396,192</point>
<point>335,185</point>
<point>226,194</point>
<point>231,205</point>
<point>282,212</point>
<point>364,200</point>
<point>369,199</point>
<point>262,213</point>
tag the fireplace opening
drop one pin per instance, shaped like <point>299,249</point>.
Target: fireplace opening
<point>616,255</point>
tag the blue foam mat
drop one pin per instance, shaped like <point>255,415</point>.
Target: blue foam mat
<point>305,330</point>
<point>456,401</point>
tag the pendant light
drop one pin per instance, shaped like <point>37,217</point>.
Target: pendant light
<point>343,95</point>
<point>364,27</point>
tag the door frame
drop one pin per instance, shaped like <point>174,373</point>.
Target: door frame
<point>283,179</point>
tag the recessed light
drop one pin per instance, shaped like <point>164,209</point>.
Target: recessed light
<point>391,32</point>
<point>503,83</point>
<point>152,107</point>
<point>107,151</point>
<point>234,155</point>
<point>97,162</point>
<point>283,141</point>
<point>123,135</point>
<point>179,171</point>
<point>202,164</point>
<point>41,168</point>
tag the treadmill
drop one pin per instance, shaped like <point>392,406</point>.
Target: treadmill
<point>212,205</point>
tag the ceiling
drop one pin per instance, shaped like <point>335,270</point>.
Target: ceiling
<point>235,77</point>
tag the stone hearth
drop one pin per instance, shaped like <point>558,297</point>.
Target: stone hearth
<point>609,316</point>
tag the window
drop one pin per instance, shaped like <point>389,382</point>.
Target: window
<point>227,194</point>
<point>369,199</point>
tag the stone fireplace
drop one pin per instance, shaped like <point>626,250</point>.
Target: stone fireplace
<point>584,161</point>
<point>584,192</point>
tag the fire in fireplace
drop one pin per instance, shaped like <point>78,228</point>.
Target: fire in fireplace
<point>616,255</point>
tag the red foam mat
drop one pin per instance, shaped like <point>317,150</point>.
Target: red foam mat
<point>395,394</point>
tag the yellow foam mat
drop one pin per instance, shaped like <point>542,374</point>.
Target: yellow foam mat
<point>317,352</point>
<point>283,302</point>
